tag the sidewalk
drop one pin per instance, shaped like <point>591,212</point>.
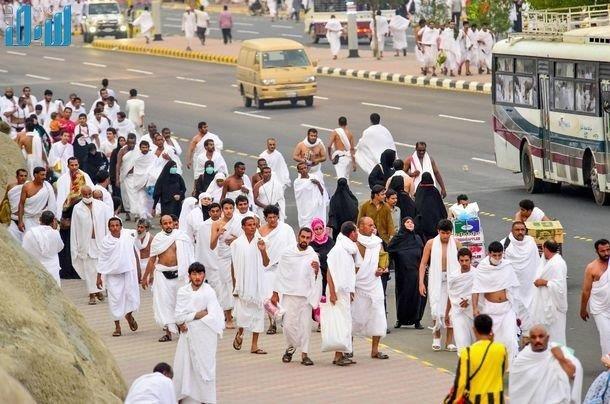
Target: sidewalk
<point>235,8</point>
<point>391,69</point>
<point>242,377</point>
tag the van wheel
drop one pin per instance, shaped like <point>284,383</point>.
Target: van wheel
<point>313,36</point>
<point>293,102</point>
<point>309,101</point>
<point>532,184</point>
<point>260,104</point>
<point>247,102</point>
<point>87,38</point>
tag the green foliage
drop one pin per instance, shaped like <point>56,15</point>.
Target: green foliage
<point>434,11</point>
<point>543,4</point>
<point>493,13</point>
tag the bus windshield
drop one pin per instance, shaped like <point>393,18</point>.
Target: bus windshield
<point>285,58</point>
<point>103,8</point>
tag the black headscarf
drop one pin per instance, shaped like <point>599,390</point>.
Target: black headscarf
<point>405,239</point>
<point>405,203</point>
<point>168,185</point>
<point>81,149</point>
<point>205,179</point>
<point>94,161</point>
<point>429,206</point>
<point>343,207</point>
<point>384,170</point>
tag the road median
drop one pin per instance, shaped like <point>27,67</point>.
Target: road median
<point>390,71</point>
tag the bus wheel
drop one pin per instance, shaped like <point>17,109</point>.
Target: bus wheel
<point>532,184</point>
<point>313,36</point>
<point>601,198</point>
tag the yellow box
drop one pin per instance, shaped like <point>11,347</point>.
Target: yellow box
<point>542,231</point>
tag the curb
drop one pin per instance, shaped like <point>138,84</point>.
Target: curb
<point>164,52</point>
<point>407,80</point>
<point>212,8</point>
<point>382,77</point>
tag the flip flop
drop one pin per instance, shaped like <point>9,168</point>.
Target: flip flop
<point>288,354</point>
<point>380,355</point>
<point>452,348</point>
<point>306,361</point>
<point>237,341</point>
<point>116,334</point>
<point>100,296</point>
<point>436,344</point>
<point>165,338</point>
<point>92,301</point>
<point>133,324</point>
<point>259,352</point>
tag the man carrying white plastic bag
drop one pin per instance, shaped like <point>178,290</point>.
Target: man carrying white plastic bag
<point>335,317</point>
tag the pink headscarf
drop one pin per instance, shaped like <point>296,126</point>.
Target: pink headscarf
<point>323,238</point>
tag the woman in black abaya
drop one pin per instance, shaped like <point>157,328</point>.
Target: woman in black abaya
<point>343,207</point>
<point>384,170</point>
<point>405,250</point>
<point>429,207</point>
<point>405,203</point>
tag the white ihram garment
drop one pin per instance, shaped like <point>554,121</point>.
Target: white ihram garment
<point>272,193</point>
<point>164,290</point>
<point>36,158</point>
<point>152,388</point>
<point>44,243</point>
<point>459,287</point>
<point>437,278</point>
<point>224,286</point>
<point>451,48</point>
<point>300,289</point>
<point>374,141</point>
<point>63,185</point>
<point>333,35</point>
<point>599,307</point>
<point>279,168</point>
<point>344,166</point>
<point>398,29</point>
<point>83,248</point>
<point>490,278</point>
<point>537,377</point>
<point>249,283</point>
<point>368,308</point>
<point>195,360</point>
<point>220,165</point>
<point>550,303</point>
<point>14,195</point>
<point>310,202</point>
<point>145,22</point>
<point>199,149</point>
<point>429,40</point>
<point>537,215</point>
<point>485,42</point>
<point>382,30</point>
<point>426,167</point>
<point>33,207</point>
<point>118,262</point>
<point>278,241</point>
<point>137,181</point>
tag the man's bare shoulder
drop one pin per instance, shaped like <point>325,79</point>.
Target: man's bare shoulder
<point>429,244</point>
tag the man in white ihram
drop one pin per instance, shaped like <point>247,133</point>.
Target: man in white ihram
<point>171,252</point>
<point>269,191</point>
<point>540,374</point>
<point>120,266</point>
<point>276,161</point>
<point>496,281</point>
<point>88,228</point>
<point>341,149</point>
<point>379,30</point>
<point>550,299</point>
<point>375,140</point>
<point>156,387</point>
<point>146,24</point>
<point>310,195</point>
<point>398,29</point>
<point>521,250</point>
<point>189,27</point>
<point>201,322</point>
<point>458,313</point>
<point>419,163</point>
<point>44,243</point>
<point>333,35</point>
<point>299,282</point>
<point>368,308</point>
<point>135,170</point>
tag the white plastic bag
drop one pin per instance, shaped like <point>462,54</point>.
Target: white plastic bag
<point>336,326</point>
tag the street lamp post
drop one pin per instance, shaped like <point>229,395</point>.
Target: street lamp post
<point>156,15</point>
<point>352,34</point>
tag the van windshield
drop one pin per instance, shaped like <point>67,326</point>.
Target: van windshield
<point>285,58</point>
<point>103,8</point>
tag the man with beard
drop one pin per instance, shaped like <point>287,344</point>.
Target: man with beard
<point>276,161</point>
<point>299,282</point>
<point>69,186</point>
<point>596,293</point>
<point>196,146</point>
<point>269,191</point>
<point>237,184</point>
<point>171,252</point>
<point>143,241</point>
<point>458,313</point>
<point>311,151</point>
<point>36,197</point>
<point>13,195</point>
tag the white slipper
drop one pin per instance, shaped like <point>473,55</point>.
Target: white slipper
<point>436,344</point>
<point>451,348</point>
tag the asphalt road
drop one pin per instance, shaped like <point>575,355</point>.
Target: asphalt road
<point>455,125</point>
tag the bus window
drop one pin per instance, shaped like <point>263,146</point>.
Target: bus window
<point>504,65</point>
<point>585,71</point>
<point>504,88</point>
<point>563,69</point>
<point>564,95</point>
<point>525,90</point>
<point>586,99</point>
<point>527,66</point>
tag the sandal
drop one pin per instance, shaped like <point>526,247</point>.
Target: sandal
<point>306,361</point>
<point>272,329</point>
<point>116,333</point>
<point>451,348</point>
<point>288,354</point>
<point>436,344</point>
<point>165,338</point>
<point>133,325</point>
<point>342,362</point>
<point>100,296</point>
<point>92,301</point>
<point>259,352</point>
<point>380,355</point>
<point>237,341</point>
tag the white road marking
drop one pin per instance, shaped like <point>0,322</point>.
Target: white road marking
<point>76,83</point>
<point>16,53</point>
<point>483,160</point>
<point>94,64</point>
<point>172,26</point>
<point>234,85</point>
<point>245,24</point>
<point>190,79</point>
<point>370,104</point>
<point>247,32</point>
<point>412,146</point>
<point>3,71</point>
<point>306,125</point>
<point>140,71</point>
<point>38,77</point>
<point>139,94</point>
<point>319,97</point>
<point>251,115</point>
<point>293,35</point>
<point>173,19</point>
<point>460,119</point>
<point>192,104</point>
<point>54,58</point>
<point>282,26</point>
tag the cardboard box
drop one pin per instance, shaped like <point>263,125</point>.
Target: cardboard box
<point>542,231</point>
<point>466,227</point>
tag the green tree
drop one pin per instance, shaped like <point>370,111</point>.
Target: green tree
<point>544,4</point>
<point>493,13</point>
<point>433,11</point>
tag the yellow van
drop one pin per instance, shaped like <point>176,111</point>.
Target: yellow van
<point>275,69</point>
